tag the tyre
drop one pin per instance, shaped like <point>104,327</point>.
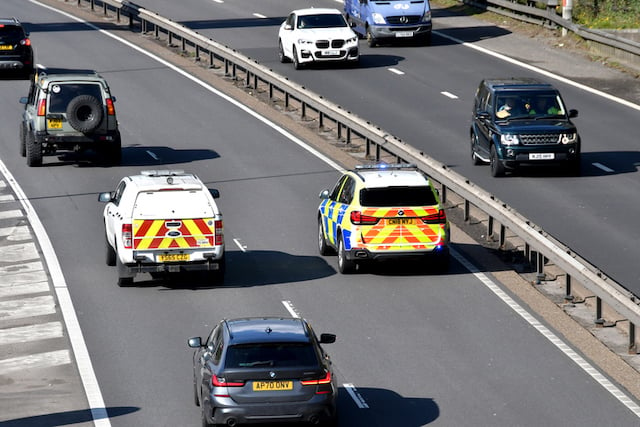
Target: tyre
<point>345,266</point>
<point>218,275</point>
<point>323,248</point>
<point>296,63</point>
<point>33,150</point>
<point>424,40</point>
<point>196,398</point>
<point>575,167</point>
<point>123,280</point>
<point>475,160</point>
<point>85,113</point>
<point>371,41</point>
<point>113,152</point>
<point>497,168</point>
<point>23,142</point>
<point>110,253</point>
<point>281,56</point>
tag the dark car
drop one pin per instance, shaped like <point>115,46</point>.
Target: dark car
<point>16,53</point>
<point>522,121</point>
<point>257,370</point>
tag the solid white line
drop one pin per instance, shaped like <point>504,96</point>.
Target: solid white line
<point>31,333</point>
<point>449,95</point>
<point>545,73</point>
<point>603,167</point>
<point>32,361</point>
<point>259,15</point>
<point>396,71</point>
<point>553,338</point>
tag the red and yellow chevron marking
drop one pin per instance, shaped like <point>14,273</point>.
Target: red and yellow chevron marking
<point>153,233</point>
<point>416,236</point>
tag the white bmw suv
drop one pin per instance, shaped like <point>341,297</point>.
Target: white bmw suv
<point>317,35</point>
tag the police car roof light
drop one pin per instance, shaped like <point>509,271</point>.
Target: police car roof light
<point>388,166</point>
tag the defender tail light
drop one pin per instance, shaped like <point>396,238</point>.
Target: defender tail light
<point>111,111</point>
<point>42,107</point>
<point>25,42</point>
<point>219,233</point>
<point>127,241</point>
<point>436,218</point>
<point>358,219</point>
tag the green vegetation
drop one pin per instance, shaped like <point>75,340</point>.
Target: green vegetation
<point>607,14</point>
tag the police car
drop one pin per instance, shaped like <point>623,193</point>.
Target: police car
<point>163,221</point>
<point>383,211</point>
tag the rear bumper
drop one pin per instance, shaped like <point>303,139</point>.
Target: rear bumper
<point>357,254</point>
<point>75,142</point>
<point>173,267</point>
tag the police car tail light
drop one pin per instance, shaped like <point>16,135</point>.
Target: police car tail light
<point>358,219</point>
<point>437,218</point>
<point>42,107</point>
<point>219,235</point>
<point>126,236</point>
<point>111,111</point>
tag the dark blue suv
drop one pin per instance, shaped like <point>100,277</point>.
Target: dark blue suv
<point>269,369</point>
<point>522,121</point>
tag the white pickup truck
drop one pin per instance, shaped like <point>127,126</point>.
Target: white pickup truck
<point>163,221</point>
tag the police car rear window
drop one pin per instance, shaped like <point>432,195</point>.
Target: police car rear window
<point>397,196</point>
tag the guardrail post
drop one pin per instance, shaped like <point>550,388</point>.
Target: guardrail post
<point>467,210</point>
<point>503,231</point>
<point>567,289</point>
<point>489,227</point>
<point>320,120</point>
<point>443,193</point>
<point>633,347</point>
<point>539,268</point>
<point>348,140</point>
<point>599,320</point>
<point>303,110</point>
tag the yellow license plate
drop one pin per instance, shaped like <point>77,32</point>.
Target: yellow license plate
<point>399,221</point>
<point>272,385</point>
<point>173,257</point>
<point>6,47</point>
<point>54,123</point>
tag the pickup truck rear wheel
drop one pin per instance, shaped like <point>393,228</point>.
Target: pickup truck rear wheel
<point>123,279</point>
<point>110,253</point>
<point>33,151</point>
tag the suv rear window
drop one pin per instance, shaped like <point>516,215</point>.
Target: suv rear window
<point>270,354</point>
<point>10,32</point>
<point>61,94</point>
<point>397,196</point>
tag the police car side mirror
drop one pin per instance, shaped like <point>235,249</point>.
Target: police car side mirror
<point>105,197</point>
<point>214,193</point>
<point>24,100</point>
<point>573,113</point>
<point>324,194</point>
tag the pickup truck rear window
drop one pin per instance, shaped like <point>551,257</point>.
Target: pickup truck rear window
<point>172,204</point>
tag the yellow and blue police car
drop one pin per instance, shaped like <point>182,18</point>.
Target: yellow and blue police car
<point>383,211</point>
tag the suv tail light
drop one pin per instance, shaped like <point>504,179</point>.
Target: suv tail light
<point>126,236</point>
<point>436,218</point>
<point>42,107</point>
<point>358,219</point>
<point>111,111</point>
<point>219,233</point>
<point>25,42</point>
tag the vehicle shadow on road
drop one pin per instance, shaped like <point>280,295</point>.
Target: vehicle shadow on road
<point>65,418</point>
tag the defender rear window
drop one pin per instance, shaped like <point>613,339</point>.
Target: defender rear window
<point>61,94</point>
<point>397,196</point>
<point>270,355</point>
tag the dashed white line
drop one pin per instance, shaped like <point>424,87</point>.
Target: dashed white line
<point>218,1</point>
<point>357,397</point>
<point>603,167</point>
<point>291,309</point>
<point>396,71</point>
<point>449,95</point>
<point>7,198</point>
<point>240,244</point>
<point>259,15</point>
<point>153,155</point>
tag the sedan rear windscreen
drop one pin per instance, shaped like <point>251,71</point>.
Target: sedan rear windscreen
<point>397,196</point>
<point>270,355</point>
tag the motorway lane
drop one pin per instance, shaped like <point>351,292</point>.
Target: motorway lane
<point>590,213</point>
<point>443,348</point>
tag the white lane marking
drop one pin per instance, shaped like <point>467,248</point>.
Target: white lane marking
<point>27,307</point>
<point>259,15</point>
<point>40,360</point>
<point>240,244</point>
<point>20,252</point>
<point>23,289</point>
<point>396,71</point>
<point>153,155</point>
<point>218,1</point>
<point>3,185</point>
<point>7,198</point>
<point>603,167</point>
<point>9,231</point>
<point>545,73</point>
<point>449,95</point>
<point>15,213</point>
<point>31,333</point>
<point>356,396</point>
<point>291,309</point>
<point>553,338</point>
<point>22,273</point>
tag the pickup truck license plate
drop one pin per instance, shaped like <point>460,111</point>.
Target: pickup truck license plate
<point>541,156</point>
<point>172,257</point>
<point>404,34</point>
<point>54,123</point>
<point>272,385</point>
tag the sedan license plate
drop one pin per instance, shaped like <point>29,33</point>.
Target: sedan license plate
<point>272,385</point>
<point>54,123</point>
<point>541,156</point>
<point>331,52</point>
<point>6,47</point>
<point>404,34</point>
<point>400,221</point>
<point>172,257</point>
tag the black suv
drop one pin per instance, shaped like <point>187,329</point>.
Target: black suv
<point>522,121</point>
<point>69,110</point>
<point>264,370</point>
<point>16,54</point>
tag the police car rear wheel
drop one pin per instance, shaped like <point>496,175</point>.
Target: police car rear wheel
<point>345,266</point>
<point>322,242</point>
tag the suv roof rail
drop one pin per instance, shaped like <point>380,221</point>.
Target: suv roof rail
<point>44,70</point>
<point>163,172</point>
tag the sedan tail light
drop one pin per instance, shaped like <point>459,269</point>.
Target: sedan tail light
<point>324,380</point>
<point>358,219</point>
<point>222,382</point>
<point>127,241</point>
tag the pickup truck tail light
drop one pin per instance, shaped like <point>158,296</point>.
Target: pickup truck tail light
<point>219,234</point>
<point>127,240</point>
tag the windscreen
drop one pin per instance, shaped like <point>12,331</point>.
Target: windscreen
<point>328,20</point>
<point>270,355</point>
<point>174,204</point>
<point>397,196</point>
